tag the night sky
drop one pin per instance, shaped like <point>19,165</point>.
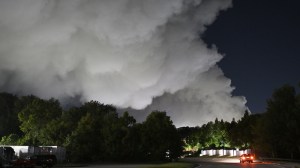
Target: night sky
<point>260,40</point>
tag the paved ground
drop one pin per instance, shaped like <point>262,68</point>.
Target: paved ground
<point>207,163</point>
<point>239,165</point>
<point>234,162</point>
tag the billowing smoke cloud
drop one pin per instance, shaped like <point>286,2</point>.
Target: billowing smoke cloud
<point>129,53</point>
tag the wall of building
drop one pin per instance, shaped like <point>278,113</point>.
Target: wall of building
<point>222,152</point>
<point>24,151</point>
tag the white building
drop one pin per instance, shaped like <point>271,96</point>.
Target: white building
<point>23,151</point>
<point>222,152</point>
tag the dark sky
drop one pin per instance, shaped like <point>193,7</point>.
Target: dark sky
<point>261,43</point>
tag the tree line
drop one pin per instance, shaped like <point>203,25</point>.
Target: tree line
<point>91,132</point>
<point>96,132</point>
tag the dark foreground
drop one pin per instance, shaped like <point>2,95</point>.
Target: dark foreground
<point>239,165</point>
<point>234,163</point>
<point>203,163</point>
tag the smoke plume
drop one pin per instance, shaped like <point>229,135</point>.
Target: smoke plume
<point>130,53</point>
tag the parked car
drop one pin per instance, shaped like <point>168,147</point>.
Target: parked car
<point>246,158</point>
<point>44,160</point>
<point>35,160</point>
<point>22,162</point>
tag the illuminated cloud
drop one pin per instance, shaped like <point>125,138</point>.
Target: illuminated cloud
<point>121,52</point>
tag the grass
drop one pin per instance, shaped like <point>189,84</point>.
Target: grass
<point>171,165</point>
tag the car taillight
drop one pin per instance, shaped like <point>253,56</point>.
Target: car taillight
<point>243,157</point>
<point>251,157</point>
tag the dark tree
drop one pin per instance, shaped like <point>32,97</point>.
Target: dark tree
<point>91,140</point>
<point>34,118</point>
<point>9,123</point>
<point>160,138</point>
<point>276,130</point>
